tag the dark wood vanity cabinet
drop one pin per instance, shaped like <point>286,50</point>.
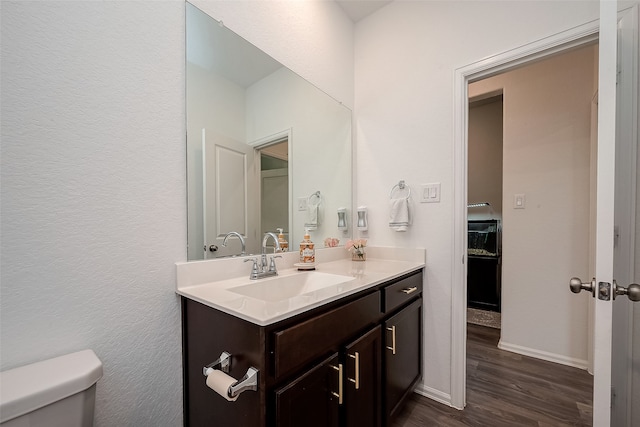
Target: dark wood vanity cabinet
<point>362,385</point>
<point>308,400</point>
<point>352,362</point>
<point>402,357</point>
<point>342,390</point>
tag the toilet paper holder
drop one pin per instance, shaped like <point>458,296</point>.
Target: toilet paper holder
<point>222,363</point>
<point>248,382</point>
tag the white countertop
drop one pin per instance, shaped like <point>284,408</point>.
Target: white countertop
<point>211,282</point>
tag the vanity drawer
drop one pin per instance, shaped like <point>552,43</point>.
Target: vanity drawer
<point>298,345</point>
<point>400,292</point>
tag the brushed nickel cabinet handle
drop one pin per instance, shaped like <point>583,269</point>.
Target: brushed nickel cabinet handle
<point>339,394</point>
<point>393,340</point>
<point>409,290</point>
<point>356,380</point>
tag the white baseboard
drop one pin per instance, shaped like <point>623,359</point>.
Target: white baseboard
<point>434,394</point>
<point>539,354</point>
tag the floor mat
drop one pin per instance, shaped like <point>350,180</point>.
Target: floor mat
<point>483,318</point>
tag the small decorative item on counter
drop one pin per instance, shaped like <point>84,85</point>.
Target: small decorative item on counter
<point>284,245</point>
<point>307,251</point>
<point>331,242</point>
<point>356,247</point>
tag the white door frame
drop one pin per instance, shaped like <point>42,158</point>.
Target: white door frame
<point>626,131</point>
<point>481,69</point>
<point>264,142</point>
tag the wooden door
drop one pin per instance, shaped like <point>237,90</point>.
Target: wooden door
<point>625,365</point>
<point>402,357</point>
<point>311,399</point>
<point>362,382</point>
<point>615,221</point>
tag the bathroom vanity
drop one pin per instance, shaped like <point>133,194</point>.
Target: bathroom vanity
<point>350,358</point>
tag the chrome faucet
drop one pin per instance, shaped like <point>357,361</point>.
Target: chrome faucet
<point>260,271</point>
<point>239,236</point>
<point>264,249</point>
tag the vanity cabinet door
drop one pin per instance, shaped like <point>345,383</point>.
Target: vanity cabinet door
<point>312,399</point>
<point>362,382</point>
<point>402,357</point>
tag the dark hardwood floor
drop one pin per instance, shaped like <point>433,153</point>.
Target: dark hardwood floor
<point>507,389</point>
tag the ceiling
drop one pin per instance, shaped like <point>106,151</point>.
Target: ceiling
<point>213,47</point>
<point>359,9</point>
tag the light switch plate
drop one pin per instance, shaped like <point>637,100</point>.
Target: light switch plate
<point>430,193</point>
<point>518,201</point>
<point>302,203</point>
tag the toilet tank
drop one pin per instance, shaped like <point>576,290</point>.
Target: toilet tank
<point>54,392</point>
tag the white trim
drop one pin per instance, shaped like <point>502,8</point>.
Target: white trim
<point>269,140</point>
<point>625,215</point>
<point>204,193</point>
<point>544,355</point>
<point>433,394</point>
<point>605,189</point>
<point>483,68</point>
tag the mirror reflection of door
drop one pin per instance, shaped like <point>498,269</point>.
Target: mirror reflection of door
<point>226,174</point>
<point>274,188</point>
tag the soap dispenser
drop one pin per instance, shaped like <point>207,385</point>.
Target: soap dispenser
<point>284,245</point>
<point>307,251</point>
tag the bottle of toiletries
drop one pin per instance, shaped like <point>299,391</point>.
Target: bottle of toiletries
<point>284,245</point>
<point>307,251</point>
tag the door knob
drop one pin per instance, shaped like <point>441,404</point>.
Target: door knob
<point>632,291</point>
<point>576,285</point>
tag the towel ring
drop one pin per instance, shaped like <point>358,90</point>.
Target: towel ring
<point>316,194</point>
<point>400,186</point>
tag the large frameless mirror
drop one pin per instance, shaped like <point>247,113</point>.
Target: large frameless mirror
<point>266,149</point>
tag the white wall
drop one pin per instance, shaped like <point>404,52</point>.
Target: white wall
<point>406,54</point>
<point>547,143</point>
<point>282,101</point>
<point>94,181</point>
<point>314,38</point>
<point>218,106</point>
<point>321,151</point>
<point>93,196</point>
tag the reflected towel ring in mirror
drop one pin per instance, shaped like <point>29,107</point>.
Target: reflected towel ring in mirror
<point>400,186</point>
<point>317,196</point>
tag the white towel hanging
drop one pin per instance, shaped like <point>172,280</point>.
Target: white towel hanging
<point>313,202</point>
<point>399,214</point>
<point>399,207</point>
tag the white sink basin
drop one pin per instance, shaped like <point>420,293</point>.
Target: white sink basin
<point>281,288</point>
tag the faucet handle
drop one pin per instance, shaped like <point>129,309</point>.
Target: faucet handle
<point>272,264</point>
<point>254,268</point>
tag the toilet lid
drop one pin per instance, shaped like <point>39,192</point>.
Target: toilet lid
<point>31,387</point>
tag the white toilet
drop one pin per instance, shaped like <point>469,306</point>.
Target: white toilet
<point>58,392</point>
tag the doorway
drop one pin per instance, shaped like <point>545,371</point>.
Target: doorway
<point>546,173</point>
<point>512,60</point>
<point>274,187</point>
<point>485,169</point>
